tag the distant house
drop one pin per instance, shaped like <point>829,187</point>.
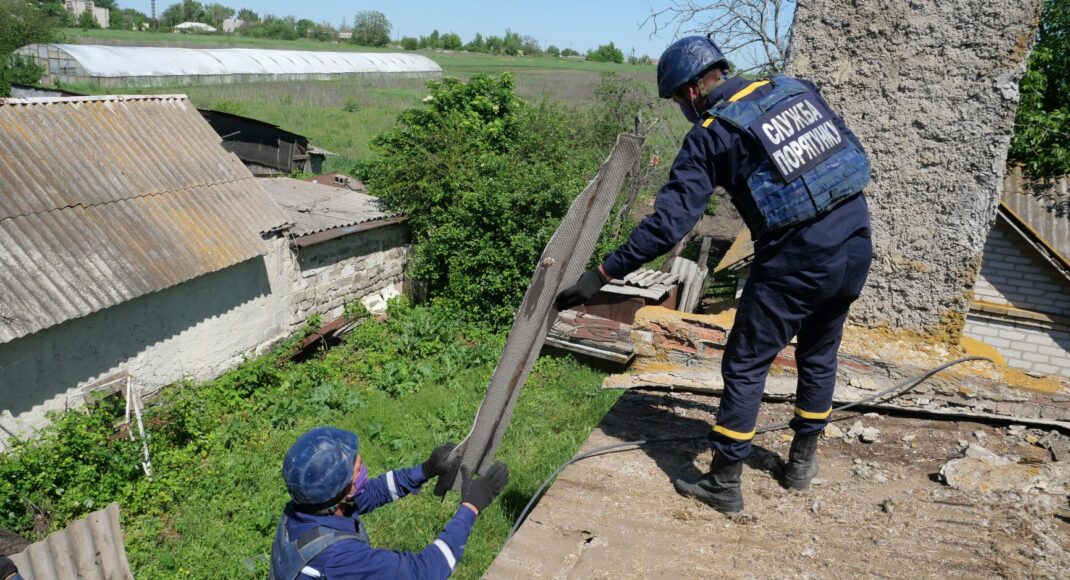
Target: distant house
<point>345,34</point>
<point>76,7</point>
<point>136,246</point>
<point>231,25</point>
<point>193,27</point>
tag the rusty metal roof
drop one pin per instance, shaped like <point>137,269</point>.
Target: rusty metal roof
<point>313,207</point>
<point>104,199</point>
<point>91,547</point>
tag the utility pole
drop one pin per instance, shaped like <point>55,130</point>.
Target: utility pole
<point>154,23</point>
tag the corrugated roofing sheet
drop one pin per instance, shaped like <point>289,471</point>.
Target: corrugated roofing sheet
<point>138,61</point>
<point>104,199</point>
<point>1043,212</point>
<point>312,207</point>
<point>88,548</point>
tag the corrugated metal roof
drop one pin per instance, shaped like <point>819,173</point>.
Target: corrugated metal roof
<point>88,548</point>
<point>104,199</point>
<point>146,61</point>
<point>313,207</point>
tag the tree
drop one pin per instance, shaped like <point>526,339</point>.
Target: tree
<point>569,52</point>
<point>435,40</point>
<point>371,28</point>
<point>304,28</point>
<point>130,19</point>
<point>215,14</point>
<point>511,44</point>
<point>248,16</point>
<point>86,21</point>
<point>477,44</point>
<point>530,45</point>
<point>495,44</point>
<point>452,41</point>
<point>553,50</point>
<point>410,43</point>
<point>109,4</point>
<point>1042,126</point>
<point>755,28</point>
<point>606,53</point>
<point>185,11</point>
<point>22,23</point>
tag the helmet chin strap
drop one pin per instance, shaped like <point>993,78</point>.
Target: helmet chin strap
<point>690,110</point>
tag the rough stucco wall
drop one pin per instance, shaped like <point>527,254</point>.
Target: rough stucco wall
<point>197,329</point>
<point>931,89</point>
<point>331,274</point>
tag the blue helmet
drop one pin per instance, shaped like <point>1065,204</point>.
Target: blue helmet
<point>685,60</point>
<point>319,465</point>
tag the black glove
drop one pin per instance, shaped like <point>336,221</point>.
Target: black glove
<point>583,290</point>
<point>440,461</point>
<point>480,492</point>
<point>7,567</point>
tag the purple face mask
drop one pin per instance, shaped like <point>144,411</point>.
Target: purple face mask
<point>359,482</point>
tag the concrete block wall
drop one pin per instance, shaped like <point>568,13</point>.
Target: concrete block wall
<point>1044,350</point>
<point>1013,274</point>
<point>931,89</point>
<point>331,274</point>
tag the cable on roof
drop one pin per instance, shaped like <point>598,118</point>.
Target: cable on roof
<point>891,393</point>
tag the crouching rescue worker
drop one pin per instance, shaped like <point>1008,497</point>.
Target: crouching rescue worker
<point>795,172</point>
<point>321,534</point>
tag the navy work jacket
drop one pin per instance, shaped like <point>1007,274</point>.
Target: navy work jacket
<point>723,155</point>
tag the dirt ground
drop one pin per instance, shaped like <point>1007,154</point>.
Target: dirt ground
<point>876,509</point>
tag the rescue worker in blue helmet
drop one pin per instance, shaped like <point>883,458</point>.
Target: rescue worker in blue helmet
<point>321,534</point>
<point>796,172</point>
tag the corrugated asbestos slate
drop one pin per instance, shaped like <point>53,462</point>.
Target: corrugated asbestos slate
<point>313,208</point>
<point>1040,211</point>
<point>89,548</point>
<point>104,199</point>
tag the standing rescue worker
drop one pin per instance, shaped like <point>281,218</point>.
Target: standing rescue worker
<point>321,534</point>
<point>795,172</point>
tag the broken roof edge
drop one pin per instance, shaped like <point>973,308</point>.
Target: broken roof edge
<point>1034,239</point>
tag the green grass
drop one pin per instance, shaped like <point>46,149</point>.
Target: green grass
<point>212,507</point>
<point>315,109</point>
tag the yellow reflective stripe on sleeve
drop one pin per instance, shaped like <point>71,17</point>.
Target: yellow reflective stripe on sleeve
<point>706,124</point>
<point>811,415</point>
<point>737,435</point>
<point>746,91</point>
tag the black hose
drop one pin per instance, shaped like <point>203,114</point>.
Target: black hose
<point>891,393</point>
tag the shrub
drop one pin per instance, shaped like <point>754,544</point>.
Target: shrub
<point>606,53</point>
<point>484,178</point>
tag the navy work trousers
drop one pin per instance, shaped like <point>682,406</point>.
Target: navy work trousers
<point>810,303</point>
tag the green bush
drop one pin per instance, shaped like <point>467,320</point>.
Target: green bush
<point>1042,126</point>
<point>606,53</point>
<point>485,178</point>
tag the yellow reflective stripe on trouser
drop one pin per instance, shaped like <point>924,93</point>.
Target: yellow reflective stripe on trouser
<point>706,124</point>
<point>747,90</point>
<point>737,435</point>
<point>812,415</point>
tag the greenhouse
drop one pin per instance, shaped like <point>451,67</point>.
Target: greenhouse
<point>146,66</point>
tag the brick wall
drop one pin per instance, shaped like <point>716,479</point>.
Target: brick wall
<point>334,273</point>
<point>1014,275</point>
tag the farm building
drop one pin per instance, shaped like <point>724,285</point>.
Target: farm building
<point>147,250</point>
<point>152,66</point>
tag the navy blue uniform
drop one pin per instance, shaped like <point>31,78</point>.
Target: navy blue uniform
<point>356,559</point>
<point>803,279</point>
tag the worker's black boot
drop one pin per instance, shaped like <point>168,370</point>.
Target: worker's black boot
<point>802,462</point>
<point>719,488</point>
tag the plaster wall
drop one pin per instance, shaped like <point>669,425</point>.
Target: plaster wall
<point>197,330</point>
<point>931,89</point>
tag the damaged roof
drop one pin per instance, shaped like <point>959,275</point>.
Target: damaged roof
<point>314,208</point>
<point>105,199</point>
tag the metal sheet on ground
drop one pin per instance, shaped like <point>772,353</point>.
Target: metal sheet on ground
<point>561,264</point>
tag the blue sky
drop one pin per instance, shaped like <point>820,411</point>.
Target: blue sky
<point>576,24</point>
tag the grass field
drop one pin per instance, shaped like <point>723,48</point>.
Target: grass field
<point>318,109</point>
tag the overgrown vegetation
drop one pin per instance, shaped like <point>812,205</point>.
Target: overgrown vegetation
<point>1042,127</point>
<point>485,178</point>
<point>211,507</point>
<point>22,23</point>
